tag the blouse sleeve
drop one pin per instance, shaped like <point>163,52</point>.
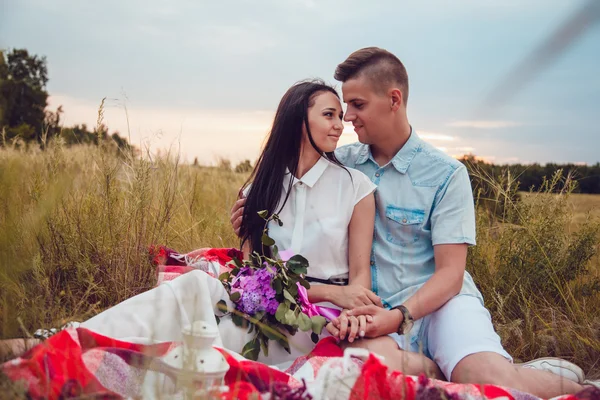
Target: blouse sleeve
<point>362,185</point>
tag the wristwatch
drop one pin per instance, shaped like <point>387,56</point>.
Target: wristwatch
<point>407,321</point>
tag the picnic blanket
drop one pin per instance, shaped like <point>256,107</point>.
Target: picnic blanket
<point>77,363</point>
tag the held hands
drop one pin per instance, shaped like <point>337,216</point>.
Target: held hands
<point>354,327</point>
<point>377,322</point>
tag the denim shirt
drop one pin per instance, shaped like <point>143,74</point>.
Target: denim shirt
<point>423,198</point>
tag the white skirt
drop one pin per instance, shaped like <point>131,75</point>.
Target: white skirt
<point>160,314</point>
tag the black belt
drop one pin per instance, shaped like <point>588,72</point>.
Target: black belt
<point>333,281</point>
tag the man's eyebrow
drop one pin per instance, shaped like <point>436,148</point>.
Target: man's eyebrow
<point>353,100</point>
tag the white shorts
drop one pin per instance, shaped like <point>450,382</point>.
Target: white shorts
<point>463,326</point>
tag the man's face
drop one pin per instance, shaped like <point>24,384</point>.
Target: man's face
<point>369,112</point>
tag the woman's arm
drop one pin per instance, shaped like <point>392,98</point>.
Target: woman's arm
<point>360,239</point>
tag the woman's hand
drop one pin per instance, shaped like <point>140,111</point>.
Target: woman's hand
<point>354,327</point>
<point>354,295</point>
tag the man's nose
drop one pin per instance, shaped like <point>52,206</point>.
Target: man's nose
<point>349,117</point>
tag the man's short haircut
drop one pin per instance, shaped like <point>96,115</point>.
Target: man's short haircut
<point>379,66</point>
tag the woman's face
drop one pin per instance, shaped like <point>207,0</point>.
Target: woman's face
<point>325,121</point>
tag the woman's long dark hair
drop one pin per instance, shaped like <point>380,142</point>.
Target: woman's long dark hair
<point>281,151</point>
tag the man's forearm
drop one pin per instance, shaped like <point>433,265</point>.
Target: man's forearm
<point>441,287</point>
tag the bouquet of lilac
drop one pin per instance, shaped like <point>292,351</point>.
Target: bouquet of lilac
<point>269,297</point>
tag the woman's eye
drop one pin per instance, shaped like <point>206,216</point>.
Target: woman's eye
<point>328,114</point>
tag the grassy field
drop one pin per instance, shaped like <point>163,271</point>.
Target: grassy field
<point>76,223</point>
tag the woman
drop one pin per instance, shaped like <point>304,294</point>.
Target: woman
<point>328,216</point>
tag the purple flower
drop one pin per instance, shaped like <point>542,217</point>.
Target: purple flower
<point>257,293</point>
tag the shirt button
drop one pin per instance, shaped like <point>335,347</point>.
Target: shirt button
<point>372,262</point>
<point>300,183</point>
<point>404,220</point>
<point>377,174</point>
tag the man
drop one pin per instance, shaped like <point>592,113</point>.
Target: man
<point>425,221</point>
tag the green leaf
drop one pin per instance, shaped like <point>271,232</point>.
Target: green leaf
<point>238,263</point>
<point>275,251</point>
<point>263,214</point>
<point>235,296</point>
<point>218,320</point>
<point>222,306</point>
<point>224,276</point>
<point>267,240</point>
<point>314,337</point>
<point>290,317</point>
<point>304,323</point>
<point>251,350</point>
<point>239,320</point>
<point>293,289</point>
<point>304,283</point>
<point>298,264</point>
<point>318,323</point>
<point>288,296</point>
<point>277,285</point>
<point>285,344</point>
<point>280,313</point>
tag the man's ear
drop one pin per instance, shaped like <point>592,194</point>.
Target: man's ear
<point>396,99</point>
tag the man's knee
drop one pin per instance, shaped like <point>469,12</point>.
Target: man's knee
<point>484,368</point>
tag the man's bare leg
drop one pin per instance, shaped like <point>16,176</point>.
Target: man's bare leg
<point>407,362</point>
<point>11,348</point>
<point>492,368</point>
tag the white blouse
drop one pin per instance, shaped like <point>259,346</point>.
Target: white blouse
<point>317,214</point>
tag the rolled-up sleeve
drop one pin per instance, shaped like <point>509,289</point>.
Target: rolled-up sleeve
<point>453,214</point>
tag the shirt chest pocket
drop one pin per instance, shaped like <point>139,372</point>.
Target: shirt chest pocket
<point>403,225</point>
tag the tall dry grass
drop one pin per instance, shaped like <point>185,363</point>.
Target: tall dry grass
<point>539,271</point>
<point>75,225</point>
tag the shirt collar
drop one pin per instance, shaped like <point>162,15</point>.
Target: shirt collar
<point>401,161</point>
<point>310,177</point>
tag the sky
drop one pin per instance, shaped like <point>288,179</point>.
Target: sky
<point>204,78</point>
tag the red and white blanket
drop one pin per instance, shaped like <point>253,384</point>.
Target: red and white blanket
<point>80,363</point>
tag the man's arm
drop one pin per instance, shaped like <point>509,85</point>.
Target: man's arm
<point>237,213</point>
<point>453,229</point>
<point>446,282</point>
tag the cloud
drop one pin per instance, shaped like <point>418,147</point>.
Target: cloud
<point>483,124</point>
<point>435,136</point>
<point>202,133</point>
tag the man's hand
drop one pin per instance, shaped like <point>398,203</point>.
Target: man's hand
<point>237,213</point>
<point>352,296</point>
<point>383,322</point>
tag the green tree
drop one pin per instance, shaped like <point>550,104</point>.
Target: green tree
<point>23,96</point>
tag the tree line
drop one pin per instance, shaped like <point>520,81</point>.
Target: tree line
<point>24,115</point>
